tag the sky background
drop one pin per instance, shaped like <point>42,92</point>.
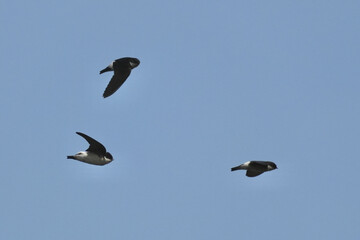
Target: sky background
<point>219,83</point>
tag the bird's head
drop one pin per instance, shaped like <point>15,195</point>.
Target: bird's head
<point>108,157</point>
<point>134,62</point>
<point>272,166</point>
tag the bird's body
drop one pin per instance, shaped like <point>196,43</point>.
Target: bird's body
<point>96,153</point>
<point>122,68</point>
<point>255,168</point>
<point>91,158</point>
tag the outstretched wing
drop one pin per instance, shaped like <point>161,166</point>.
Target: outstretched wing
<point>251,173</point>
<point>95,146</point>
<point>120,75</point>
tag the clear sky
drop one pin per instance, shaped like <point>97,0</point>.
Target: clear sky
<point>219,83</point>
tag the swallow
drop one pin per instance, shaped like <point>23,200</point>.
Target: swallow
<point>96,153</point>
<point>122,68</point>
<point>255,168</point>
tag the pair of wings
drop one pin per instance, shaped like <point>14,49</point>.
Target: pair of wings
<point>121,73</point>
<point>95,146</point>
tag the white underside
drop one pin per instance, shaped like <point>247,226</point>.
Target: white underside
<point>91,158</point>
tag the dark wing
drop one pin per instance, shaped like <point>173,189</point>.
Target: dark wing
<point>251,173</point>
<point>120,75</point>
<point>259,165</point>
<point>95,146</point>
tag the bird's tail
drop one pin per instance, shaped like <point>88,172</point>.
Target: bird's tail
<point>236,168</point>
<point>105,70</point>
<point>70,157</point>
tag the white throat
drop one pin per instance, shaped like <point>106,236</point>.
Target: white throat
<point>270,167</point>
<point>132,64</point>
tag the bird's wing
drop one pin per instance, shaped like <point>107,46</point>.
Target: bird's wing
<point>120,75</point>
<point>259,165</point>
<point>95,146</point>
<point>252,173</point>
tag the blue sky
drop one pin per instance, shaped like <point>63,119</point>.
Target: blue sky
<point>220,83</point>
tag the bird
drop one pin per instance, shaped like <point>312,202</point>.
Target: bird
<point>122,68</point>
<point>96,153</point>
<point>255,168</point>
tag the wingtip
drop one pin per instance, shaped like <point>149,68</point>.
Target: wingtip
<point>80,134</point>
<point>105,94</point>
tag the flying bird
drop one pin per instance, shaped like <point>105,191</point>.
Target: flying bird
<point>122,68</point>
<point>96,153</point>
<point>255,168</point>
